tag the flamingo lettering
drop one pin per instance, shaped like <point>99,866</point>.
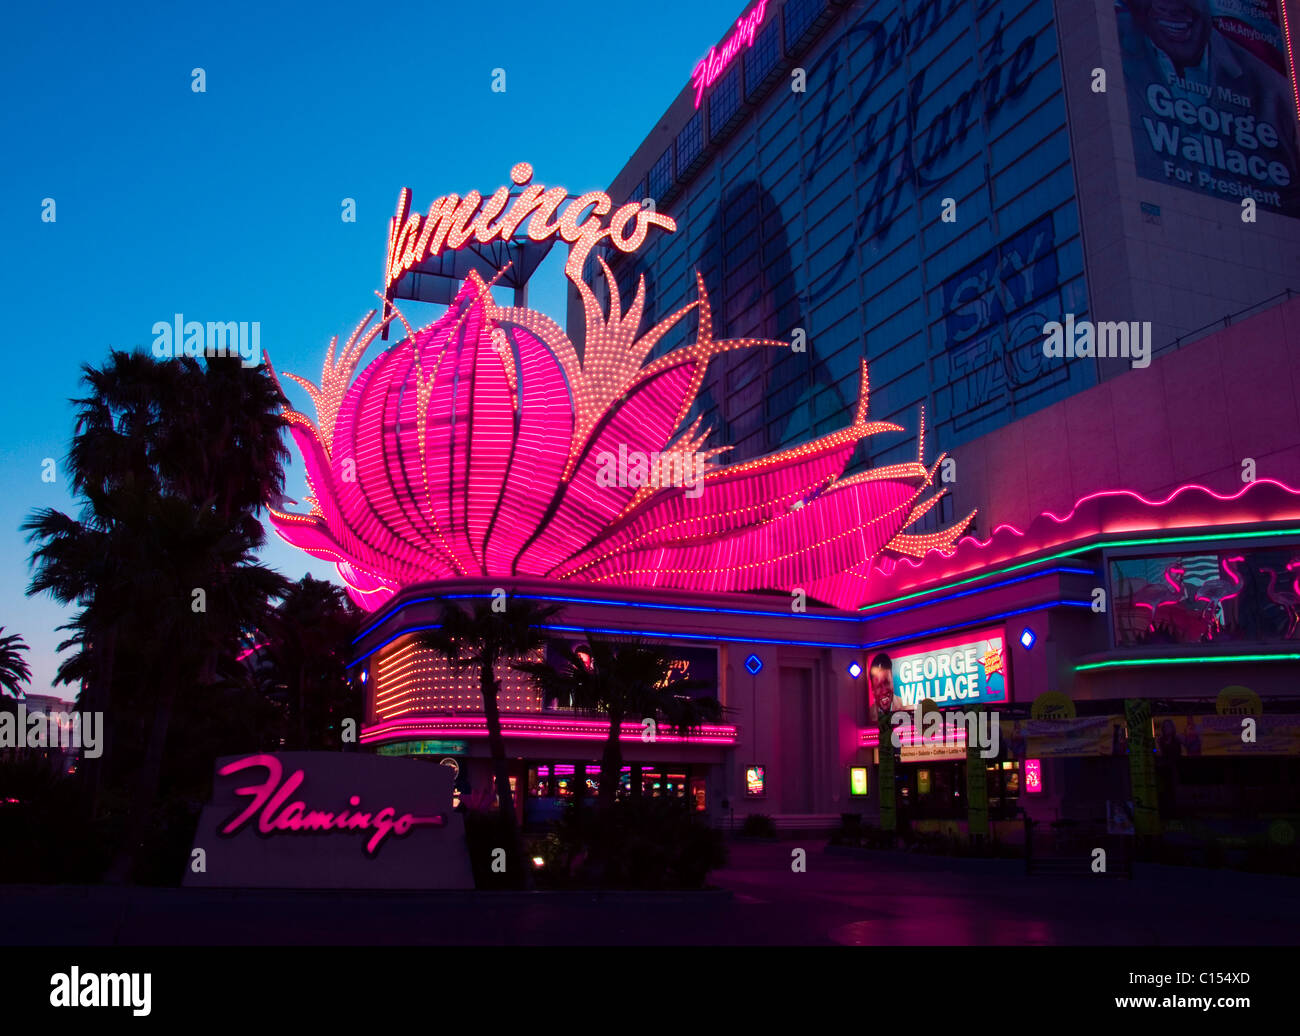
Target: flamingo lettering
<point>267,801</point>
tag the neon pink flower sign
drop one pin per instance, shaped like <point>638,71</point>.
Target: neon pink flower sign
<point>1033,776</point>
<point>476,447</point>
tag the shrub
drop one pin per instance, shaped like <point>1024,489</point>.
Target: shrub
<point>638,843</point>
<point>44,835</point>
<point>483,835</point>
<point>758,825</point>
<point>850,831</point>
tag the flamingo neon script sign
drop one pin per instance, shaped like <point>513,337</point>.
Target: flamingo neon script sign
<point>710,69</point>
<point>476,446</point>
<point>452,221</point>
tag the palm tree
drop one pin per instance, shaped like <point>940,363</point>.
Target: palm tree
<point>485,638</point>
<point>187,551</point>
<point>172,461</point>
<point>304,661</point>
<point>624,680</point>
<point>14,670</point>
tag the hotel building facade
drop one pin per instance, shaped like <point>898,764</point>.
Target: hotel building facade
<point>924,188</point>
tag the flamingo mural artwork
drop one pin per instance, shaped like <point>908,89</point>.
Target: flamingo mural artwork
<point>1166,603</point>
<point>1182,613</point>
<point>1221,595</point>
<point>1287,600</point>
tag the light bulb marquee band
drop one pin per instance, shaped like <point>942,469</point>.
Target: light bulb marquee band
<point>473,447</point>
<point>541,728</point>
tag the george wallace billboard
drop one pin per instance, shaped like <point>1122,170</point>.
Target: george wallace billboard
<point>330,820</point>
<point>967,669</point>
<point>1210,98</point>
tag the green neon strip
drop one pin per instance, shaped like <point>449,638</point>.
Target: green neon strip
<point>1204,536</point>
<point>1100,544</point>
<point>1201,660</point>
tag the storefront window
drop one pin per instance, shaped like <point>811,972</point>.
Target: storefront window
<point>699,798</point>
<point>1004,789</point>
<point>560,781</point>
<point>936,791</point>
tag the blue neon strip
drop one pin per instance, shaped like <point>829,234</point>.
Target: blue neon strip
<point>702,637</point>
<point>725,611</point>
<point>980,589</point>
<point>924,634</point>
<point>595,600</point>
<point>709,638</point>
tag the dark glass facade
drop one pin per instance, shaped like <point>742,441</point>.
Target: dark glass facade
<point>822,210</point>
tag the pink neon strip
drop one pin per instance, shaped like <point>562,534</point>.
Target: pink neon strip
<point>869,737</point>
<point>895,567</point>
<point>248,651</point>
<point>536,728</point>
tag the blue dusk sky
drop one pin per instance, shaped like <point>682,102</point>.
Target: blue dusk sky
<point>226,205</point>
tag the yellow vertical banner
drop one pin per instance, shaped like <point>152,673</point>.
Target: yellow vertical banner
<point>888,803</point>
<point>977,788</point>
<point>1142,766</point>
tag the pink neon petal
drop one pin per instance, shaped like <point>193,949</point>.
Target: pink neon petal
<point>725,504</point>
<point>540,450</point>
<point>832,534</point>
<point>1111,512</point>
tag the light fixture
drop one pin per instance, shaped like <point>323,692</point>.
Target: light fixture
<point>754,664</point>
<point>855,670</point>
<point>1027,638</point>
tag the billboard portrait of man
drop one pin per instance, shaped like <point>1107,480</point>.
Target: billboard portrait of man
<point>1210,98</point>
<point>880,681</point>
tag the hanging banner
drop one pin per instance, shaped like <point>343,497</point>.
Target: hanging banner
<point>1193,736</point>
<point>1210,98</point>
<point>1055,738</point>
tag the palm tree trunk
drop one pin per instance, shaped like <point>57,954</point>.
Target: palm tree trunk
<point>501,773</point>
<point>302,705</point>
<point>104,649</point>
<point>611,763</point>
<point>147,782</point>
